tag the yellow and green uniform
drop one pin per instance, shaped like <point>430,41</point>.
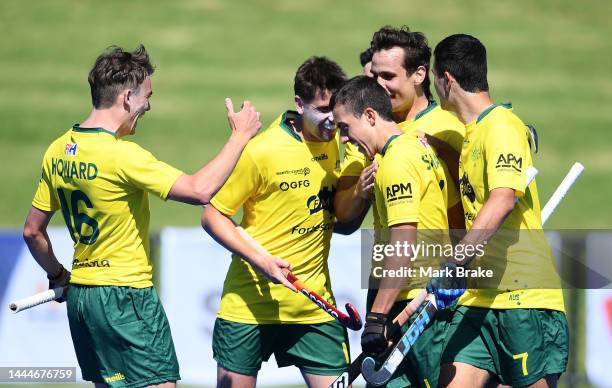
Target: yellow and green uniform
<point>443,125</point>
<point>518,335</point>
<point>410,187</point>
<point>286,187</point>
<point>496,154</point>
<point>101,184</point>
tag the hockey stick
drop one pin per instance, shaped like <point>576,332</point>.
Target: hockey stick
<point>561,191</point>
<point>381,376</point>
<point>384,373</point>
<point>351,321</point>
<point>354,369</point>
<point>36,299</point>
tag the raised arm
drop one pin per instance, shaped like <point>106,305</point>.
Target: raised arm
<point>199,188</point>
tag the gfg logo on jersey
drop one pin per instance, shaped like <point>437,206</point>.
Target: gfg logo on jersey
<point>509,161</point>
<point>71,149</point>
<point>284,186</point>
<point>324,200</point>
<point>396,192</point>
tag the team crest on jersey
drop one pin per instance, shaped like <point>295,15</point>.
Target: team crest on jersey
<point>71,149</point>
<point>423,141</point>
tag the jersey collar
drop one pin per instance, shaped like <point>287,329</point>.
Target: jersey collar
<point>78,128</point>
<point>290,114</point>
<point>485,112</point>
<point>432,104</point>
<point>384,150</point>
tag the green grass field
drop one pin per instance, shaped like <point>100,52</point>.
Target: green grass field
<point>551,58</point>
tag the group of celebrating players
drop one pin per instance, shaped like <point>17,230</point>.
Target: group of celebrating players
<point>420,165</point>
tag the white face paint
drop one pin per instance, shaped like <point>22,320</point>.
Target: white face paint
<point>317,120</point>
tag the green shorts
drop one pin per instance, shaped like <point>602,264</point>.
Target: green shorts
<point>121,336</point>
<point>421,366</point>
<point>518,346</point>
<point>318,349</point>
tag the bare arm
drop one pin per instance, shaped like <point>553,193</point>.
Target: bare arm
<point>37,240</point>
<point>390,287</point>
<point>456,222</point>
<point>490,218</point>
<point>235,239</point>
<point>352,199</point>
<point>199,188</point>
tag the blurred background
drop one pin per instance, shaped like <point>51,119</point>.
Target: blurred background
<point>551,58</point>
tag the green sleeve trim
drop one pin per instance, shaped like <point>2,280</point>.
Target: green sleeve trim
<point>78,128</point>
<point>384,150</point>
<point>431,106</point>
<point>481,116</point>
<point>286,126</point>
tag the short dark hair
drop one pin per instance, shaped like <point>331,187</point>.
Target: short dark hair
<point>114,71</point>
<point>416,50</point>
<point>317,75</point>
<point>465,58</point>
<point>363,92</point>
<point>366,56</point>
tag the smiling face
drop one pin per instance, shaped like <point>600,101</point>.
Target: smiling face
<point>138,102</point>
<point>388,70</point>
<point>358,131</point>
<point>317,120</point>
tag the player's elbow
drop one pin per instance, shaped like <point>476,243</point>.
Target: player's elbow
<point>208,217</point>
<point>343,215</point>
<point>203,195</point>
<point>31,233</point>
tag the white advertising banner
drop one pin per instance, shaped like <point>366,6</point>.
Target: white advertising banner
<point>39,336</point>
<point>599,312</point>
<point>192,271</point>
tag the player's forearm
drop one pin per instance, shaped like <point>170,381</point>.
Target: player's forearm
<point>490,218</point>
<point>456,222</point>
<point>40,247</point>
<point>350,207</point>
<point>223,230</point>
<point>210,178</point>
<point>402,238</point>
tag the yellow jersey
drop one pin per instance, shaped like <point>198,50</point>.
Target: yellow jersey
<point>496,154</point>
<point>101,184</point>
<point>286,188</point>
<point>433,121</point>
<point>445,126</point>
<point>410,187</point>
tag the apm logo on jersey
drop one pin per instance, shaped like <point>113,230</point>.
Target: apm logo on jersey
<point>509,161</point>
<point>71,149</point>
<point>397,192</point>
<point>323,200</point>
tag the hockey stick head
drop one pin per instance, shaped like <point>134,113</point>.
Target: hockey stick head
<point>354,321</point>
